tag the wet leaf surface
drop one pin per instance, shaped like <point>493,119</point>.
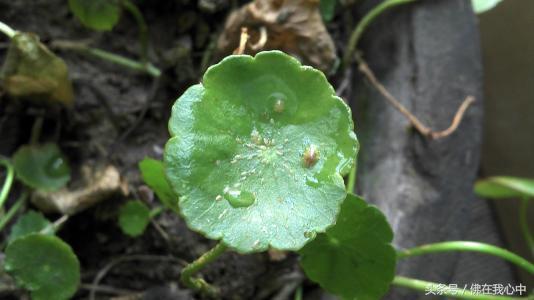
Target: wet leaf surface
<point>41,167</point>
<point>258,151</point>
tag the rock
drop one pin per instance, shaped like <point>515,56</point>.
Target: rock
<point>99,183</point>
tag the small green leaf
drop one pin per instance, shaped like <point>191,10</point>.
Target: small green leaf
<point>134,216</point>
<point>32,71</point>
<point>41,166</point>
<point>505,187</point>
<point>44,265</point>
<point>153,173</point>
<point>258,151</point>
<point>96,14</point>
<point>30,222</point>
<point>353,259</point>
<point>480,6</point>
<point>328,9</point>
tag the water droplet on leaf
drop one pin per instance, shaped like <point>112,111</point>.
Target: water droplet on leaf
<point>238,198</point>
<point>56,167</point>
<point>278,101</point>
<point>255,137</point>
<point>279,106</point>
<point>312,182</point>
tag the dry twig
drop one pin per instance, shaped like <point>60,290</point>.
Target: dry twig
<point>416,123</point>
<point>243,39</point>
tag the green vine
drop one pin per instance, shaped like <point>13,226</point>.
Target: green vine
<point>5,29</point>
<point>197,283</point>
<point>364,23</point>
<point>10,174</point>
<point>468,246</point>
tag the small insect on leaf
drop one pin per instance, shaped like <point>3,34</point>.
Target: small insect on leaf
<point>310,156</point>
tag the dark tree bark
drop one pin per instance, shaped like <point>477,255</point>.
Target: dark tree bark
<point>428,56</point>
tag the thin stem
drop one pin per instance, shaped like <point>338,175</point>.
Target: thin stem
<point>141,24</point>
<point>111,57</point>
<point>36,130</point>
<point>56,226</point>
<point>364,68</point>
<point>124,61</point>
<point>8,182</point>
<point>298,293</point>
<point>243,39</point>
<point>468,246</point>
<point>444,290</point>
<point>351,181</point>
<point>5,29</point>
<point>416,123</point>
<point>156,211</point>
<point>191,269</point>
<point>523,220</point>
<point>363,24</point>
<point>13,210</point>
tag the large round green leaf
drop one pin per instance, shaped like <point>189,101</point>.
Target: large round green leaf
<point>41,166</point>
<point>505,187</point>
<point>96,14</point>
<point>353,259</point>
<point>258,151</point>
<point>44,265</point>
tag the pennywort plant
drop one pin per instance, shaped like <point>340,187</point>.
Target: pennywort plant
<point>257,155</point>
<point>134,215</point>
<point>35,257</point>
<point>103,15</point>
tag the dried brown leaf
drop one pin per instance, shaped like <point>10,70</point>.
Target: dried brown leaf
<point>292,26</point>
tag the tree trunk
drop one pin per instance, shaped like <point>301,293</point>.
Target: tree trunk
<point>428,56</point>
